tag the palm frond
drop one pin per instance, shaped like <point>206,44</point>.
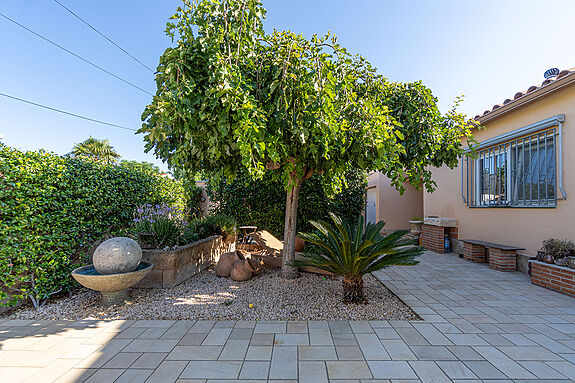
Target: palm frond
<point>355,249</point>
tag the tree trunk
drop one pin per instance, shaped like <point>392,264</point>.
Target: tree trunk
<point>353,289</point>
<point>290,231</point>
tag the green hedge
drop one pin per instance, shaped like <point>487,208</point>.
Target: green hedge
<point>262,203</point>
<point>52,208</point>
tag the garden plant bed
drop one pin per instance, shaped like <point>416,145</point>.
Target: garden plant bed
<point>173,267</point>
<point>553,277</point>
<point>205,296</point>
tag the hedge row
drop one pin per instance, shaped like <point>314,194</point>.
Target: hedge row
<point>262,203</point>
<point>52,208</point>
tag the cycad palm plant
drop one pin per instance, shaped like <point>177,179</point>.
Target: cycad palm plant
<point>354,250</point>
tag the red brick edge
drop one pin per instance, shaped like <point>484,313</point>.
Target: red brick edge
<point>433,238</point>
<point>553,277</point>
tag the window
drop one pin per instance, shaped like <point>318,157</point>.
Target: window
<point>516,173</point>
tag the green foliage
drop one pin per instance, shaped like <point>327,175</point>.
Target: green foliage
<point>96,150</point>
<point>217,224</point>
<point>167,224</point>
<point>349,249</point>
<point>558,248</point>
<point>262,202</point>
<point>232,98</point>
<point>52,208</point>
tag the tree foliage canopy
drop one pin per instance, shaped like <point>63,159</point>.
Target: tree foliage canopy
<point>231,97</point>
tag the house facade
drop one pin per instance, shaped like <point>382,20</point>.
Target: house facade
<point>385,203</point>
<point>515,189</point>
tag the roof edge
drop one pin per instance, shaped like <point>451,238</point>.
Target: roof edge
<point>527,98</point>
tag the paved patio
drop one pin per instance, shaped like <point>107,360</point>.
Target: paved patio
<point>480,325</point>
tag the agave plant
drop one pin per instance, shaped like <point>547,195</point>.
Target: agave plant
<point>354,250</point>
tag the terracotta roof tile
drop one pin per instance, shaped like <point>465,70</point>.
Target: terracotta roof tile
<point>531,89</point>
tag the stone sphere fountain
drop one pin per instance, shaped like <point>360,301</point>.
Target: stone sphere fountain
<point>117,266</point>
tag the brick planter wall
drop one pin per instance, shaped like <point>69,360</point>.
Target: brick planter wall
<point>174,267</point>
<point>474,253</point>
<point>433,237</point>
<point>502,260</point>
<point>553,277</point>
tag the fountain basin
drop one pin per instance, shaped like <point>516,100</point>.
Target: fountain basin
<point>112,286</point>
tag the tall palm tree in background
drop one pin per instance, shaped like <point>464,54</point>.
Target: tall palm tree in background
<point>96,150</point>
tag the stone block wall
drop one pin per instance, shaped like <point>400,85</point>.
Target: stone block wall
<point>553,277</point>
<point>175,266</point>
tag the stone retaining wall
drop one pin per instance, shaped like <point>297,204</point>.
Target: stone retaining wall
<point>175,266</point>
<point>553,277</point>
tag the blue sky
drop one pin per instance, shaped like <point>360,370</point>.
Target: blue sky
<point>486,50</point>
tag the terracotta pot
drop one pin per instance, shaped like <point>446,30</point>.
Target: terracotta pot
<point>241,270</point>
<point>225,263</point>
<point>299,244</point>
<point>256,265</point>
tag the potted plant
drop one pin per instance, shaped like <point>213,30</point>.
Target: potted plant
<point>416,224</point>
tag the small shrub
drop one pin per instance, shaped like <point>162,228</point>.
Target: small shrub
<point>354,249</point>
<point>167,224</point>
<point>558,248</point>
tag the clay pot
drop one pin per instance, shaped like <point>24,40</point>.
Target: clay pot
<point>256,265</point>
<point>225,263</point>
<point>299,244</point>
<point>241,270</point>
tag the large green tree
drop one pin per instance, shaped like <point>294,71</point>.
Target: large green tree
<point>231,97</point>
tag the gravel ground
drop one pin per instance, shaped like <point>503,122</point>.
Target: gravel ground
<point>205,296</point>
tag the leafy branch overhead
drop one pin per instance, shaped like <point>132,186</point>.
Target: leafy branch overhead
<point>231,96</point>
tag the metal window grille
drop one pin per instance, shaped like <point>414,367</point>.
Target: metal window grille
<point>518,173</point>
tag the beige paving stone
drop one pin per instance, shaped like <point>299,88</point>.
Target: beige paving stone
<point>349,353</point>
<point>259,353</point>
<point>195,353</point>
<point>167,372</point>
<point>149,360</point>
<point>134,376</point>
<point>317,353</point>
<point>284,363</point>
<point>76,375</point>
<point>252,370</point>
<point>55,370</point>
<point>291,339</point>
<point>312,372</point>
<point>217,336</point>
<point>235,350</point>
<point>104,354</point>
<point>151,345</point>
<point>105,375</point>
<point>348,370</point>
<point>122,360</point>
<point>219,369</point>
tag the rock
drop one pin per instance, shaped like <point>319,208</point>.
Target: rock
<point>117,255</point>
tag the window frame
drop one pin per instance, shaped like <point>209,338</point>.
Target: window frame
<point>540,136</point>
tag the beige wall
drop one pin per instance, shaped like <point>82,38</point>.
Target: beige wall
<point>524,227</point>
<point>393,208</point>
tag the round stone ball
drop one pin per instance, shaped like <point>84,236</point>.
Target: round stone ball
<point>117,255</point>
